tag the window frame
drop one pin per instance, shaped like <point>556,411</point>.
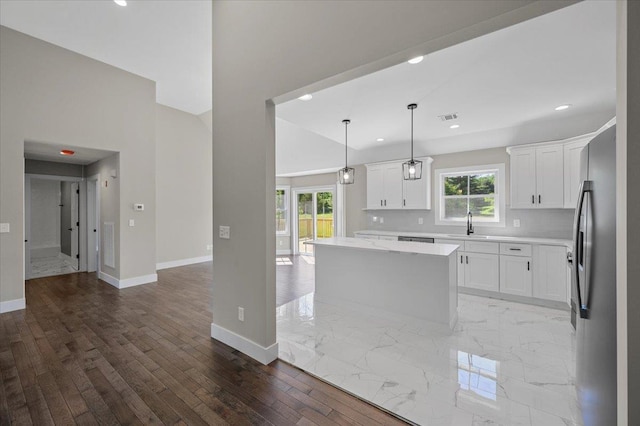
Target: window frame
<point>287,209</point>
<point>499,194</point>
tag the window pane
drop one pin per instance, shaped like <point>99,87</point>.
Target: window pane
<point>280,199</point>
<point>455,185</point>
<point>455,208</point>
<point>483,207</point>
<point>482,184</point>
<point>324,217</point>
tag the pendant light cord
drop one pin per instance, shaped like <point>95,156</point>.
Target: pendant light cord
<point>345,144</point>
<point>412,134</point>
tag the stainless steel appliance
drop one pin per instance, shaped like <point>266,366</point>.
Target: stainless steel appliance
<point>416,239</point>
<point>593,300</point>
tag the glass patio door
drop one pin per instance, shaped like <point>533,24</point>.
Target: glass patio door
<point>316,219</point>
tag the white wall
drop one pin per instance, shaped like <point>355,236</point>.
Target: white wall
<point>280,50</point>
<point>183,186</point>
<point>50,94</point>
<point>45,214</point>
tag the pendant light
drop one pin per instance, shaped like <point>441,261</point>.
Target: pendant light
<point>412,169</point>
<point>347,175</point>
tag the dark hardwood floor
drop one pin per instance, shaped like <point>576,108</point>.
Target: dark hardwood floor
<point>84,352</point>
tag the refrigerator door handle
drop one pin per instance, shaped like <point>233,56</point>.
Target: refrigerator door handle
<point>578,244</point>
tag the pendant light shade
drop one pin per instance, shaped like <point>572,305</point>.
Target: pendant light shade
<point>412,169</point>
<point>347,175</point>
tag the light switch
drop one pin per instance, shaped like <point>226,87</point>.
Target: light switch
<point>381,219</point>
<point>132,222</point>
<point>4,228</point>
<point>225,232</point>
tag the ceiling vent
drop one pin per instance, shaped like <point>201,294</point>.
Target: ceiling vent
<point>448,117</point>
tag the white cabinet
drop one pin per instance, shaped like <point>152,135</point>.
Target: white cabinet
<point>482,271</point>
<point>384,186</point>
<point>387,189</point>
<point>550,273</point>
<point>572,152</point>
<point>515,275</point>
<point>537,174</point>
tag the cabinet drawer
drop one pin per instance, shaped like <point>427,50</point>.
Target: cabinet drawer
<point>458,243</point>
<point>481,247</point>
<point>515,249</point>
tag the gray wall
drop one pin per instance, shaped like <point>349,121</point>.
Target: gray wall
<point>39,167</point>
<point>183,185</point>
<point>277,50</point>
<point>52,94</point>
<point>45,214</point>
<point>65,217</point>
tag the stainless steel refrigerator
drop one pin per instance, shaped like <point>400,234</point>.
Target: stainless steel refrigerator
<point>593,300</point>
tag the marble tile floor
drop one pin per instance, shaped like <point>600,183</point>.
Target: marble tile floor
<point>504,363</point>
<point>49,266</point>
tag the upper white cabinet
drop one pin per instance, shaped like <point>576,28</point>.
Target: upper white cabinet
<point>387,189</point>
<point>546,175</point>
<point>536,177</point>
<point>572,152</point>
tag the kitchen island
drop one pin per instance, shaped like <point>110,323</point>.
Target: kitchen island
<point>408,278</point>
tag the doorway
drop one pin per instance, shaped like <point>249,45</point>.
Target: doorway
<point>315,216</point>
<point>59,211</point>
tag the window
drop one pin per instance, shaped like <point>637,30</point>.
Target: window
<point>282,210</point>
<point>477,189</point>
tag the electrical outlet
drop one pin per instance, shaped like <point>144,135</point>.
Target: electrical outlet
<point>132,222</point>
<point>240,313</point>
<point>516,223</point>
<point>280,242</point>
<point>375,219</point>
<point>5,228</point>
<point>420,221</point>
<point>225,232</point>
<point>209,247</point>
<point>381,219</point>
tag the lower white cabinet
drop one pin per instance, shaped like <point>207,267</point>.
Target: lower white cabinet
<point>482,271</point>
<point>516,275</point>
<point>550,272</point>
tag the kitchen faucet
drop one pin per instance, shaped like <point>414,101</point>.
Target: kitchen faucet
<point>469,223</point>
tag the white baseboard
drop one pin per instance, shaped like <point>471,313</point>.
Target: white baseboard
<point>12,305</point>
<point>183,262</point>
<point>128,282</point>
<point>244,345</point>
<point>283,252</point>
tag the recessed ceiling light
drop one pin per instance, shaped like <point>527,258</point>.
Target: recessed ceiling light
<point>67,152</point>
<point>416,60</point>
<point>454,126</point>
<point>120,2</point>
<point>306,97</point>
<point>562,107</point>
<point>380,140</point>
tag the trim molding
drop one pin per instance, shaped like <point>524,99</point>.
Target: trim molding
<point>244,345</point>
<point>128,282</point>
<point>283,252</point>
<point>12,305</point>
<point>183,262</point>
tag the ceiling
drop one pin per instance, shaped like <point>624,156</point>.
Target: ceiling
<point>166,41</point>
<point>508,79</point>
<point>51,152</point>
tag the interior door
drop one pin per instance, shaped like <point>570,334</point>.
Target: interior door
<point>92,226</point>
<point>75,226</point>
<point>27,228</point>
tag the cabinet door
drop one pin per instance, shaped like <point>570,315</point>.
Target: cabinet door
<point>461,268</point>
<point>415,193</point>
<point>392,183</point>
<point>375,187</point>
<point>572,172</point>
<point>523,178</point>
<point>550,273</point>
<point>482,271</point>
<point>515,275</point>
<point>550,177</point>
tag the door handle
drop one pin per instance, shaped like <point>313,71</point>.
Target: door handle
<point>461,262</point>
<point>578,244</point>
<point>467,259</point>
<point>533,199</point>
<point>539,199</point>
<point>528,266</point>
<point>515,249</point>
<point>70,229</point>
<point>404,203</point>
<point>381,203</point>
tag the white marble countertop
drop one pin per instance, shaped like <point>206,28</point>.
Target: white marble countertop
<point>384,245</point>
<point>473,237</point>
